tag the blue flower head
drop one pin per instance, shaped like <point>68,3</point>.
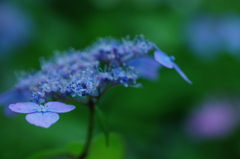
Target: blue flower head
<point>15,28</point>
<point>87,74</point>
<point>208,35</point>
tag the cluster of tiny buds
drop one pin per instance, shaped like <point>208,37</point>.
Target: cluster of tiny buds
<point>72,73</point>
<point>81,73</point>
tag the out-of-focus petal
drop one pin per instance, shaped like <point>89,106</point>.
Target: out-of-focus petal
<point>214,119</point>
<point>14,96</point>
<point>147,67</point>
<point>16,28</point>
<point>8,112</point>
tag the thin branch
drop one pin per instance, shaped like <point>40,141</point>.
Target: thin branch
<point>90,129</point>
<point>105,90</point>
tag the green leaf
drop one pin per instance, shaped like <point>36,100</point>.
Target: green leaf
<point>72,150</point>
<point>50,154</point>
<point>103,124</point>
<point>75,148</point>
<point>115,150</point>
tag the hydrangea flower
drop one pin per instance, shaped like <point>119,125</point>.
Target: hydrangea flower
<point>84,75</point>
<point>208,36</point>
<point>15,28</point>
<point>41,115</point>
<point>214,119</point>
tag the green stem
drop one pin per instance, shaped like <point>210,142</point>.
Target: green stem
<point>91,104</point>
<point>90,129</point>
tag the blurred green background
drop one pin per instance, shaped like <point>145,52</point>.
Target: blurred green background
<point>148,122</point>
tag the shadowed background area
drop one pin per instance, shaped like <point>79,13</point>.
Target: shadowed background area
<point>167,118</point>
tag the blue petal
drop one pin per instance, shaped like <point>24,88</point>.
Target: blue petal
<point>177,68</point>
<point>163,59</point>
<point>147,67</point>
<point>44,120</point>
<point>8,112</point>
<point>58,107</point>
<point>26,107</point>
<point>14,96</point>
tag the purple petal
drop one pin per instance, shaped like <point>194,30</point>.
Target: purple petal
<point>44,120</point>
<point>214,119</point>
<point>177,68</point>
<point>58,107</point>
<point>163,59</point>
<point>27,107</point>
<point>146,66</point>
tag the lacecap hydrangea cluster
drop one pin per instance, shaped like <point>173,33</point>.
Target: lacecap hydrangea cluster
<point>87,74</point>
